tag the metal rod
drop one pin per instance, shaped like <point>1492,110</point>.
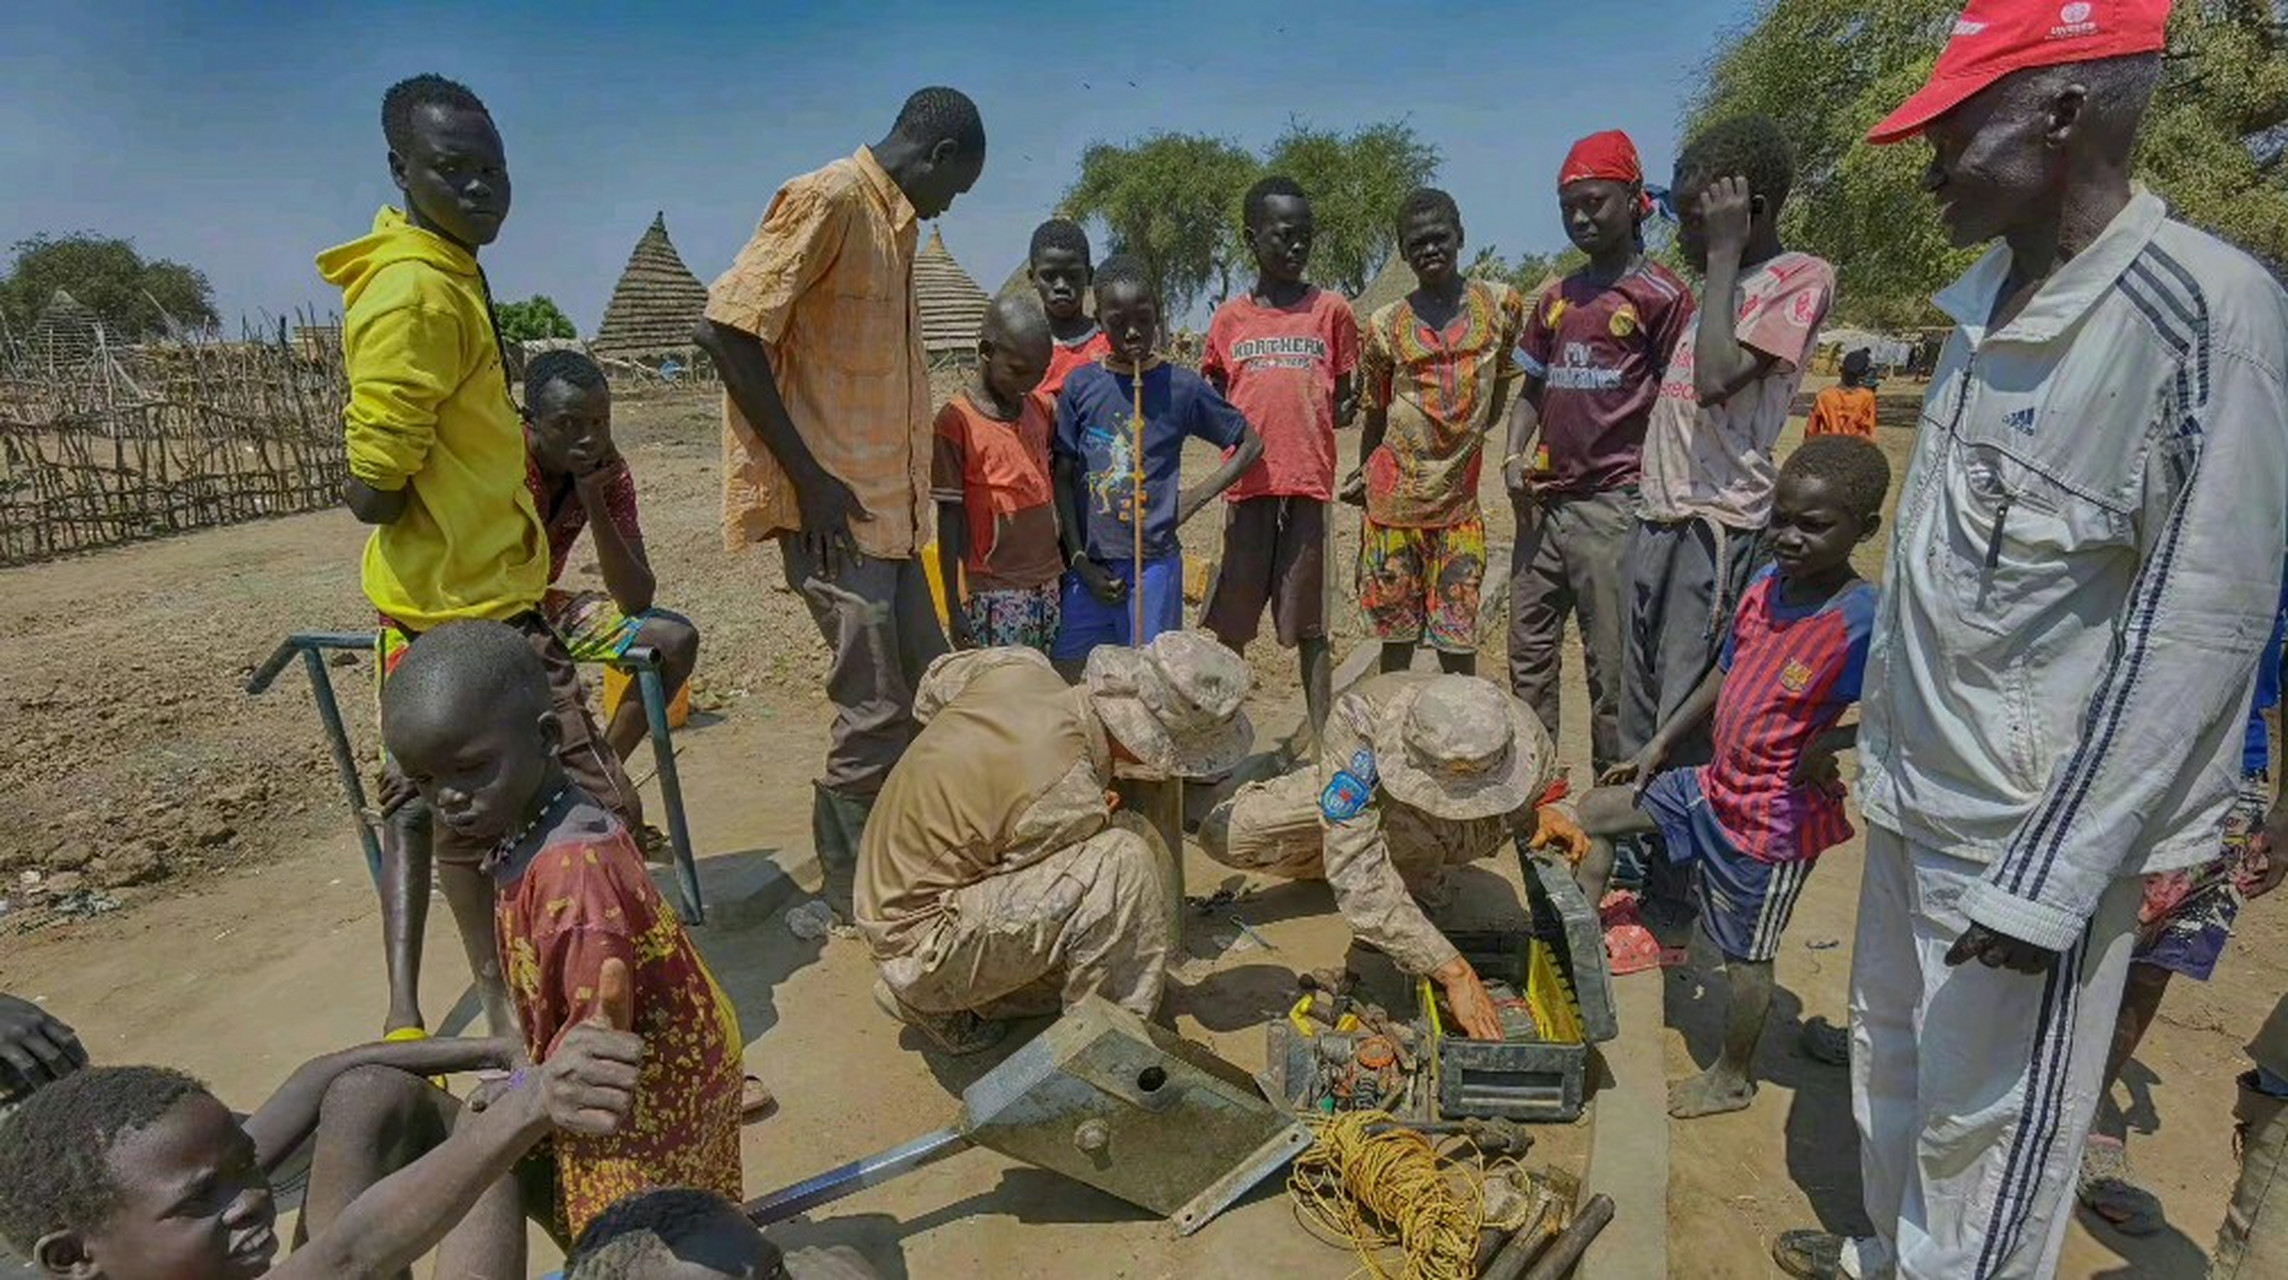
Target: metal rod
<point>854,1177</point>
<point>654,691</point>
<point>1571,1243</point>
<point>338,738</point>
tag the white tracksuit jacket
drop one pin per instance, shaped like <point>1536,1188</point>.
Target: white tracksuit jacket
<point>2083,573</point>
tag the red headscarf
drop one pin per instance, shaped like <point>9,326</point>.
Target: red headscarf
<point>1610,156</point>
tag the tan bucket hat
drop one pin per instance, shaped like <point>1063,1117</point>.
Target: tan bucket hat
<point>1459,748</point>
<point>1175,703</point>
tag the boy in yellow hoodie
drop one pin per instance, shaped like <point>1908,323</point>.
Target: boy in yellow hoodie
<point>437,464</point>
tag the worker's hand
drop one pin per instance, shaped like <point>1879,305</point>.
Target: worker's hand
<point>35,1048</point>
<point>1727,214</point>
<point>828,506</point>
<point>1999,951</point>
<point>1100,581</point>
<point>1354,488</point>
<point>1467,1000</point>
<point>589,1083</point>
<point>2268,853</point>
<point>1553,828</point>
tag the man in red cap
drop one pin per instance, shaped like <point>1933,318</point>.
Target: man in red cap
<point>1595,350</point>
<point>2083,572</point>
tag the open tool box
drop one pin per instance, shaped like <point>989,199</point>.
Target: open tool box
<point>1333,1053</point>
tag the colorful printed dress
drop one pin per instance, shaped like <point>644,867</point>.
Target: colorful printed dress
<point>582,899</point>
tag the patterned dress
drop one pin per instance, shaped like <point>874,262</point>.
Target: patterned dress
<point>583,899</point>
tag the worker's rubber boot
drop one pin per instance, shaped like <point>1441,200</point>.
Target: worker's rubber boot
<point>837,826</point>
<point>2254,1238</point>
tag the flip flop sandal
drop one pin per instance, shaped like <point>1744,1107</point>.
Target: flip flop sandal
<point>1823,1041</point>
<point>755,1098</point>
<point>407,1035</point>
<point>2105,1189</point>
<point>1631,948</point>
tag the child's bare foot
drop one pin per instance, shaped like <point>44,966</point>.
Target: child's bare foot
<point>1711,1093</point>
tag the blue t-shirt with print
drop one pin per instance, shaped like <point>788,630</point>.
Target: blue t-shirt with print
<point>1093,414</point>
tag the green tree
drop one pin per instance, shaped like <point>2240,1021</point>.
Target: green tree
<point>135,298</point>
<point>1827,70</point>
<point>536,317</point>
<point>1356,182</point>
<point>1170,199</point>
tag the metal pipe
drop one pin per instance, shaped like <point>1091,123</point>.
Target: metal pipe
<point>338,738</point>
<point>649,684</point>
<point>854,1177</point>
<point>1565,1251</point>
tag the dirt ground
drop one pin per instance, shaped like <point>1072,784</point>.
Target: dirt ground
<point>182,884</point>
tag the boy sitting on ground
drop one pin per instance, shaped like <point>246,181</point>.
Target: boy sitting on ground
<point>1756,816</point>
<point>1437,369</point>
<point>467,717</point>
<point>1062,274</point>
<point>1848,407</point>
<point>131,1172</point>
<point>1284,352</point>
<point>580,482</point>
<point>996,509</point>
<point>675,1233</point>
<point>1097,469</point>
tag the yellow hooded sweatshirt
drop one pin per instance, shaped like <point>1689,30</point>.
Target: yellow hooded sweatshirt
<point>430,409</point>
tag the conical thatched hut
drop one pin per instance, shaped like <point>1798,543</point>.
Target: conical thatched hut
<point>67,332</point>
<point>952,307</point>
<point>1393,282</point>
<point>656,304</point>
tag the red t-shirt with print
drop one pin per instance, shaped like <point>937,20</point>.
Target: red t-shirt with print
<point>1279,366</point>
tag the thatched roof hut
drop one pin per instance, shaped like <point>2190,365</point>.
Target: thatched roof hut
<point>656,304</point>
<point>952,307</point>
<point>67,332</point>
<point>1393,282</point>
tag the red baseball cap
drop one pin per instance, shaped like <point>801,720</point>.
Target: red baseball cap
<point>1993,38</point>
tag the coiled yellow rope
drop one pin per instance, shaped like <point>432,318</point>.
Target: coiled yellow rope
<point>1391,1189</point>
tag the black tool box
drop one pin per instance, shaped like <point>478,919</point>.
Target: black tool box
<point>1556,1000</point>
<point>1561,1002</point>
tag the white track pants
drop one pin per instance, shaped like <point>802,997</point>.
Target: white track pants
<point>1973,1087</point>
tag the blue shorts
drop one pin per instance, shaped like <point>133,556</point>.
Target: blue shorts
<point>1089,622</point>
<point>1745,902</point>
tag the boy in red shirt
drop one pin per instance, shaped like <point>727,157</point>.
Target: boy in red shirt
<point>1597,345</point>
<point>1284,354</point>
<point>997,547</point>
<point>1756,816</point>
<point>1062,273</point>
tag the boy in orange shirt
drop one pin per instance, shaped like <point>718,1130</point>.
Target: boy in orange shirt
<point>997,550</point>
<point>1848,408</point>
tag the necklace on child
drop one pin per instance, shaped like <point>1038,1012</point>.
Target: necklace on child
<point>510,843</point>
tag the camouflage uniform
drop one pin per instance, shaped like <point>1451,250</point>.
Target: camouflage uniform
<point>1383,857</point>
<point>995,877</point>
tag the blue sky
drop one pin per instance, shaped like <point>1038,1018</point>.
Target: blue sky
<point>242,138</point>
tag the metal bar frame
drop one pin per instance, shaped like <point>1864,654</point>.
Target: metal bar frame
<point>642,660</point>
